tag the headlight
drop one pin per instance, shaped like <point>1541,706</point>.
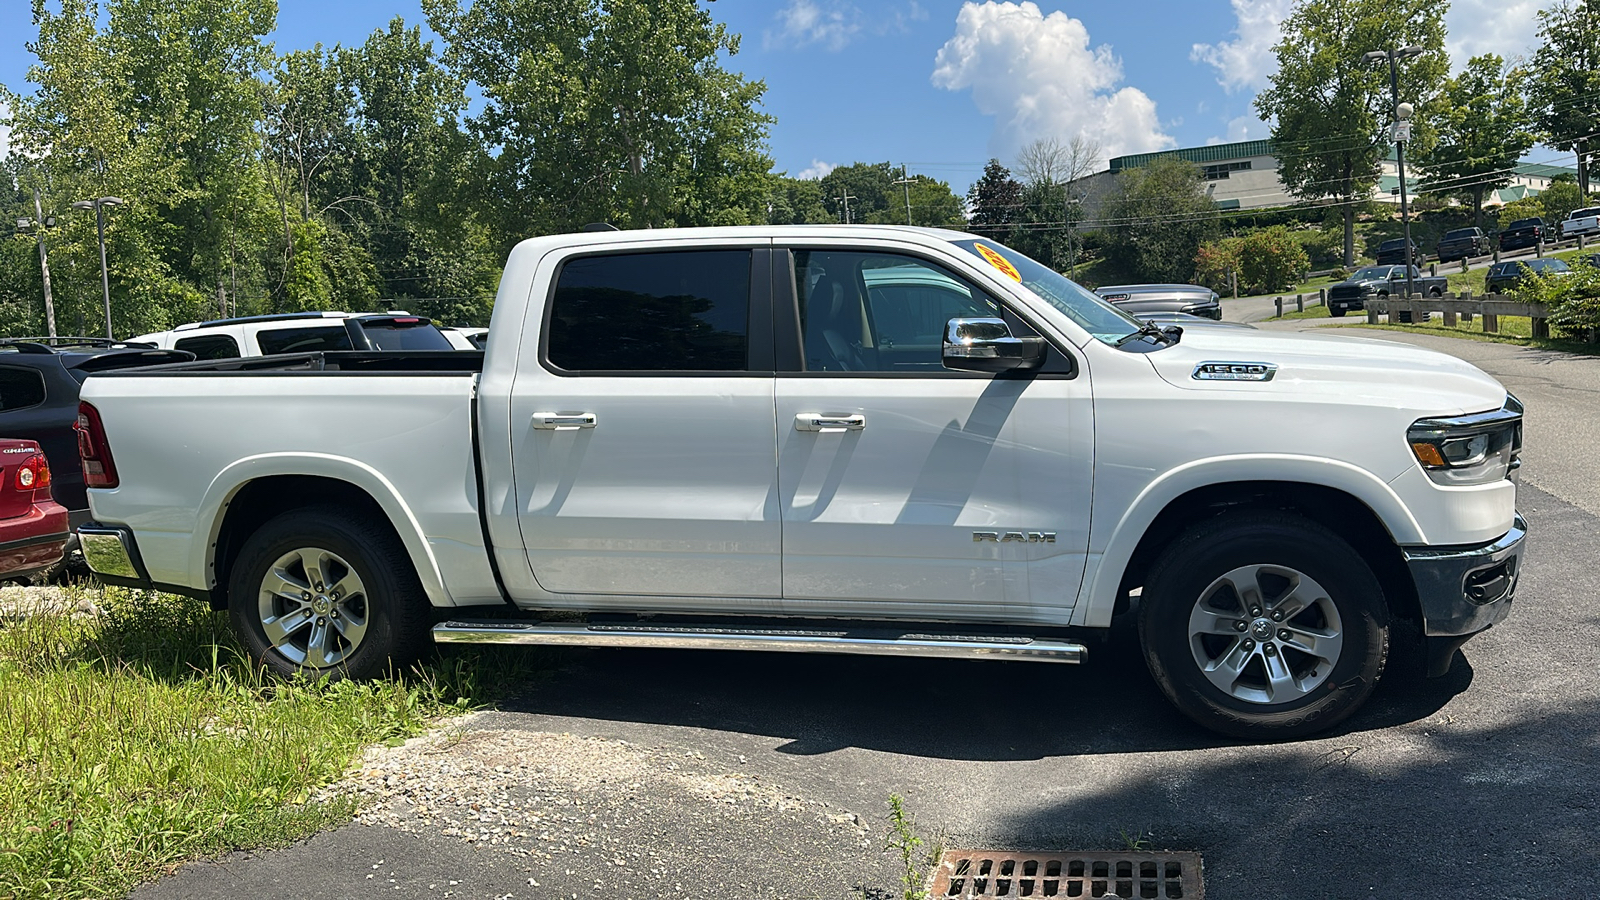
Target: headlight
<point>1476,449</point>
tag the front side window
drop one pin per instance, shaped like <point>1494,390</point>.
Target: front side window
<point>667,311</point>
<point>303,340</point>
<point>878,312</point>
<point>211,346</point>
<point>20,388</point>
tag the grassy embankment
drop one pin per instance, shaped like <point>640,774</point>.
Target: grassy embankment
<point>138,739</point>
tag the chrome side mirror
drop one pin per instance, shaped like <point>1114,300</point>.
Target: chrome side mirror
<point>987,345</point>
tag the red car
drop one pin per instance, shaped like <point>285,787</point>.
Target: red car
<point>33,527</point>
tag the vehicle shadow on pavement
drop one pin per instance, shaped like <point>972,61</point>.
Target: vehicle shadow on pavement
<point>944,709</point>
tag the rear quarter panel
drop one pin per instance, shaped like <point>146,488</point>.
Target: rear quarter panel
<point>185,444</point>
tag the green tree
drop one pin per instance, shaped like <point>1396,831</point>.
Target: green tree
<point>1330,108</point>
<point>1522,208</point>
<point>1483,131</point>
<point>1270,259</point>
<point>1156,219</point>
<point>615,112</point>
<point>795,201</point>
<point>867,189</point>
<point>1560,199</point>
<point>1564,93</point>
<point>930,202</point>
<point>995,202</point>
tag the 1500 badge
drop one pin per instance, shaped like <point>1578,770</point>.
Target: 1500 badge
<point>1009,537</point>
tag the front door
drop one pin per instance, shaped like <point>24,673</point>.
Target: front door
<point>910,490</point>
<point>642,438</point>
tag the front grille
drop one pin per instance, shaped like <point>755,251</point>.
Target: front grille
<point>974,874</point>
<point>1345,292</point>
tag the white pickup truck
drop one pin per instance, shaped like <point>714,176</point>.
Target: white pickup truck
<point>1584,222</point>
<point>840,439</point>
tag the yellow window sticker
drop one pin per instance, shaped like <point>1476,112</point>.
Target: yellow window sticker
<point>999,262</point>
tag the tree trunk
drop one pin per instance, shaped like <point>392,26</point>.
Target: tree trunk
<point>1477,205</point>
<point>1349,235</point>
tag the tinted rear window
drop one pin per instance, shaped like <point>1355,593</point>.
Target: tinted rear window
<point>1460,233</point>
<point>684,311</point>
<point>303,340</point>
<point>211,346</point>
<point>20,388</point>
<point>1525,223</point>
<point>1392,245</point>
<point>1548,265</point>
<point>418,334</point>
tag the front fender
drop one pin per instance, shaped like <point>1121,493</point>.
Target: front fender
<point>227,484</point>
<point>1099,594</point>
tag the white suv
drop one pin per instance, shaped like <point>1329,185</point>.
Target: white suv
<point>300,333</point>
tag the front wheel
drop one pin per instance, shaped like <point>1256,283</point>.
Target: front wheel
<point>1264,626</point>
<point>324,592</point>
<point>1336,311</point>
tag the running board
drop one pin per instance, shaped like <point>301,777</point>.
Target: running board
<point>870,641</point>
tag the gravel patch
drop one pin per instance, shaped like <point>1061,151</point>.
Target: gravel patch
<point>20,602</point>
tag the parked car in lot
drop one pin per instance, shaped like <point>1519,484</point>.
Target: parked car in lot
<point>33,526</point>
<point>741,438</point>
<point>39,383</point>
<point>1140,300</point>
<point>1584,222</point>
<point>300,333</point>
<point>1504,276</point>
<point>466,338</point>
<point>1462,243</point>
<point>1393,253</point>
<point>1524,233</point>
<point>1379,283</point>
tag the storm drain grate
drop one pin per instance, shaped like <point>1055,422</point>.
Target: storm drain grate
<point>971,874</point>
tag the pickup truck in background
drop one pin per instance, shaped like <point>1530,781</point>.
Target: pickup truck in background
<point>1581,222</point>
<point>301,333</point>
<point>1379,283</point>
<point>847,439</point>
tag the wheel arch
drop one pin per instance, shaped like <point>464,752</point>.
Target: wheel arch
<point>1349,501</point>
<point>254,490</point>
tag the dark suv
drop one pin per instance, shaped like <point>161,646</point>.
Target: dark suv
<point>1393,253</point>
<point>1524,233</point>
<point>39,383</point>
<point>1462,243</point>
<point>1505,276</point>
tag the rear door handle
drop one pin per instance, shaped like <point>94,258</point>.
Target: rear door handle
<point>829,424</point>
<point>549,421</point>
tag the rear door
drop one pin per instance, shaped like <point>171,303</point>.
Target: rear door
<point>908,489</point>
<point>642,434</point>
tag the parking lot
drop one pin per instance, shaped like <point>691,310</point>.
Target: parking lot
<point>680,774</point>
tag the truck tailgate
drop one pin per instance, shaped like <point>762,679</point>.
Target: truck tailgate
<point>184,442</point>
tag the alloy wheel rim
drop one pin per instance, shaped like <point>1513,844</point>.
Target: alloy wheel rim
<point>1265,634</point>
<point>313,608</point>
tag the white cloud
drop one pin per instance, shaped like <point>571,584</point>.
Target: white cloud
<point>1506,27</point>
<point>835,23</point>
<point>817,169</point>
<point>1247,60</point>
<point>1038,77</point>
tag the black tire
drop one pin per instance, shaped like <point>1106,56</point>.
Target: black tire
<point>1182,588</point>
<point>1337,311</point>
<point>386,600</point>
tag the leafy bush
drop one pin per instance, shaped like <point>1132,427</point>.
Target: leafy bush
<point>1215,263</point>
<point>1271,260</point>
<point>1574,299</point>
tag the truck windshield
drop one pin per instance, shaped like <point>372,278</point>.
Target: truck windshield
<point>1102,320</point>
<point>1374,273</point>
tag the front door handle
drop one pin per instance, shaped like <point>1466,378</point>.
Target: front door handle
<point>829,424</point>
<point>549,421</point>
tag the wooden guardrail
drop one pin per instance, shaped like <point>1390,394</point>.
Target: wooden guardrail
<point>1489,307</point>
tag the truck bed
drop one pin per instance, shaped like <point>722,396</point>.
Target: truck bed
<point>398,425</point>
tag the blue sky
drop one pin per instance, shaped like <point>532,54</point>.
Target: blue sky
<point>942,85</point>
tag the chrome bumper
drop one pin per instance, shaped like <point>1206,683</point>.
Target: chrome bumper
<point>1463,591</point>
<point>112,554</point>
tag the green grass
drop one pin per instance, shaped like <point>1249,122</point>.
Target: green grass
<point>137,740</point>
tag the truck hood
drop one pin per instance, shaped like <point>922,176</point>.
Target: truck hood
<point>1347,369</point>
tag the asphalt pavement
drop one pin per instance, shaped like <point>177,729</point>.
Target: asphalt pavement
<point>685,774</point>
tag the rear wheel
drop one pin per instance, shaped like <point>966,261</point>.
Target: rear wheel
<point>1264,625</point>
<point>321,591</point>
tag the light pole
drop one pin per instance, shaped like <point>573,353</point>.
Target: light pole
<point>39,223</point>
<point>1401,134</point>
<point>99,205</point>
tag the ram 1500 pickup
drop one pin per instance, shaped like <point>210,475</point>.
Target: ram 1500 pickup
<point>840,439</point>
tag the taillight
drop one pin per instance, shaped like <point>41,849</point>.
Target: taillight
<point>34,475</point>
<point>98,468</point>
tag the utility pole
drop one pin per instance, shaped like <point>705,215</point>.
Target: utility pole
<point>44,264</point>
<point>1402,134</point>
<point>99,205</point>
<point>844,200</point>
<point>905,180</point>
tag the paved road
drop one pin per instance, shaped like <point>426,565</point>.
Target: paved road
<point>676,774</point>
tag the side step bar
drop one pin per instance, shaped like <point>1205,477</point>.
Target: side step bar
<point>871,641</point>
